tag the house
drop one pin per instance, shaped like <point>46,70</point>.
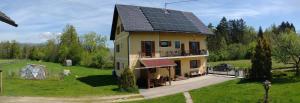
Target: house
<point>7,20</point>
<point>157,42</point>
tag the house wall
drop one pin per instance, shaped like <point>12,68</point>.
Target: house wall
<point>135,48</point>
<point>122,56</point>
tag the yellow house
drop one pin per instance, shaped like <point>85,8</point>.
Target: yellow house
<point>157,42</point>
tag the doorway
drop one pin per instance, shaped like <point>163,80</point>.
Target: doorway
<point>178,68</point>
<point>183,53</point>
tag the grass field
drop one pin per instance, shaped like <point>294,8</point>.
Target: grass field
<point>82,81</point>
<point>247,64</point>
<point>284,90</point>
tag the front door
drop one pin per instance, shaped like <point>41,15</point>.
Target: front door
<point>178,68</point>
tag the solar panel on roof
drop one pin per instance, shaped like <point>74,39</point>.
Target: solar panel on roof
<point>172,21</point>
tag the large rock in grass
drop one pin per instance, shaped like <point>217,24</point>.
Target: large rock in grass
<point>33,72</point>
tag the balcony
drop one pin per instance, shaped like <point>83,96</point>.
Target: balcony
<point>174,54</point>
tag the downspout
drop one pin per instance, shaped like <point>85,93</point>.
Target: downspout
<point>128,43</point>
<point>159,44</point>
<point>114,58</point>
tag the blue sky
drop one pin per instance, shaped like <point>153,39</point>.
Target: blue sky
<point>39,20</point>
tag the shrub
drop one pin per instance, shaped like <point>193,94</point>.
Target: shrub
<point>127,81</point>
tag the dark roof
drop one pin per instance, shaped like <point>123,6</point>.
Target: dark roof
<point>137,18</point>
<point>7,20</point>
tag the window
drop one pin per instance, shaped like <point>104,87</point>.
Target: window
<point>118,48</point>
<point>165,43</point>
<point>194,48</point>
<point>122,28</point>
<point>148,48</point>
<point>123,65</point>
<point>118,30</point>
<point>177,44</point>
<point>118,65</point>
<point>194,63</point>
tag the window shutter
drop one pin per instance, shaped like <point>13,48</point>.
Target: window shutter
<point>190,46</point>
<point>153,48</point>
<point>143,48</point>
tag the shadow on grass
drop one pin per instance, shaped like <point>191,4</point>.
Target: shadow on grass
<point>98,80</point>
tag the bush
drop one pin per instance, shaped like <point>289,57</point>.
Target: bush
<point>128,81</point>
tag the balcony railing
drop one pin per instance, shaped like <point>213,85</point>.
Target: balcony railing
<point>174,53</point>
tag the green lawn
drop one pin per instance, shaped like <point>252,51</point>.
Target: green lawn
<point>82,81</point>
<point>247,64</point>
<point>177,98</point>
<point>283,90</point>
<point>236,92</point>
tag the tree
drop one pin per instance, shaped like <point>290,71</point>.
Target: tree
<point>249,35</point>
<point>286,49</point>
<point>92,41</point>
<point>15,50</point>
<point>237,30</point>
<point>36,53</point>
<point>128,81</point>
<point>222,30</point>
<point>95,53</point>
<point>69,47</point>
<point>25,52</point>
<point>51,51</point>
<point>261,60</point>
<point>286,26</point>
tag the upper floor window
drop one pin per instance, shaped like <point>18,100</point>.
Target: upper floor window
<point>177,44</point>
<point>165,43</point>
<point>118,30</point>
<point>122,28</point>
<point>148,48</point>
<point>194,63</point>
<point>117,48</point>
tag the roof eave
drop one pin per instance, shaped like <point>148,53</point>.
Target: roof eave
<point>8,21</point>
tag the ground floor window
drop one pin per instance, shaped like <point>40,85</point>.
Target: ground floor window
<point>118,65</point>
<point>194,63</point>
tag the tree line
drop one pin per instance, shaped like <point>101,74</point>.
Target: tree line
<point>234,39</point>
<point>87,50</point>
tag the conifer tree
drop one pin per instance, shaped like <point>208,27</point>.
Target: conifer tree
<point>261,60</point>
